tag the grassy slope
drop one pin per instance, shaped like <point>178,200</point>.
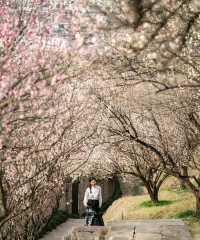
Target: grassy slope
<point>129,207</point>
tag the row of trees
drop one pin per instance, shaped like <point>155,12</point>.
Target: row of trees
<point>152,145</point>
<point>154,126</point>
<point>153,49</point>
<point>136,94</point>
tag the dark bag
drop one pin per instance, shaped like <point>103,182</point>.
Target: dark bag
<point>97,219</point>
<point>100,218</point>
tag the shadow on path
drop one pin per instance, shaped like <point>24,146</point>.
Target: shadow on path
<point>61,231</point>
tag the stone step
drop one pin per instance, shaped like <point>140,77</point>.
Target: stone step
<point>122,230</point>
<point>153,229</point>
<point>197,237</point>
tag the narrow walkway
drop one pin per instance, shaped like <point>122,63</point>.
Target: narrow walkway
<point>61,231</point>
<point>121,230</point>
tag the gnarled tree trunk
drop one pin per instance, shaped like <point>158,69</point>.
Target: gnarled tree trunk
<point>2,199</point>
<point>153,193</point>
<point>197,195</point>
<point>195,189</point>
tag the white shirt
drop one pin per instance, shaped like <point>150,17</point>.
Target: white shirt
<point>94,193</point>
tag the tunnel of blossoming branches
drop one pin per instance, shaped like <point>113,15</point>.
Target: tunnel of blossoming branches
<point>109,88</point>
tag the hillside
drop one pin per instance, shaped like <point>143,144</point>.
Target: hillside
<point>175,203</point>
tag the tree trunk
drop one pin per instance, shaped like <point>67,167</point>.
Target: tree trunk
<point>153,193</point>
<point>2,200</point>
<point>197,195</point>
<point>154,197</point>
<point>196,191</point>
<point>2,206</point>
<point>182,185</point>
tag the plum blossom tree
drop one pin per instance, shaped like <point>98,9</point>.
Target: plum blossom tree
<point>22,63</point>
<point>45,127</point>
<point>159,25</point>
<point>155,41</point>
<point>139,162</point>
<point>46,144</point>
<point>44,132</point>
<point>146,130</point>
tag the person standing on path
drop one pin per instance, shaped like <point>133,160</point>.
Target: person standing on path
<point>93,202</point>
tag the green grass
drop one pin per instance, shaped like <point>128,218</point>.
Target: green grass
<point>188,214</point>
<point>148,204</point>
<point>174,203</point>
<point>179,190</point>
